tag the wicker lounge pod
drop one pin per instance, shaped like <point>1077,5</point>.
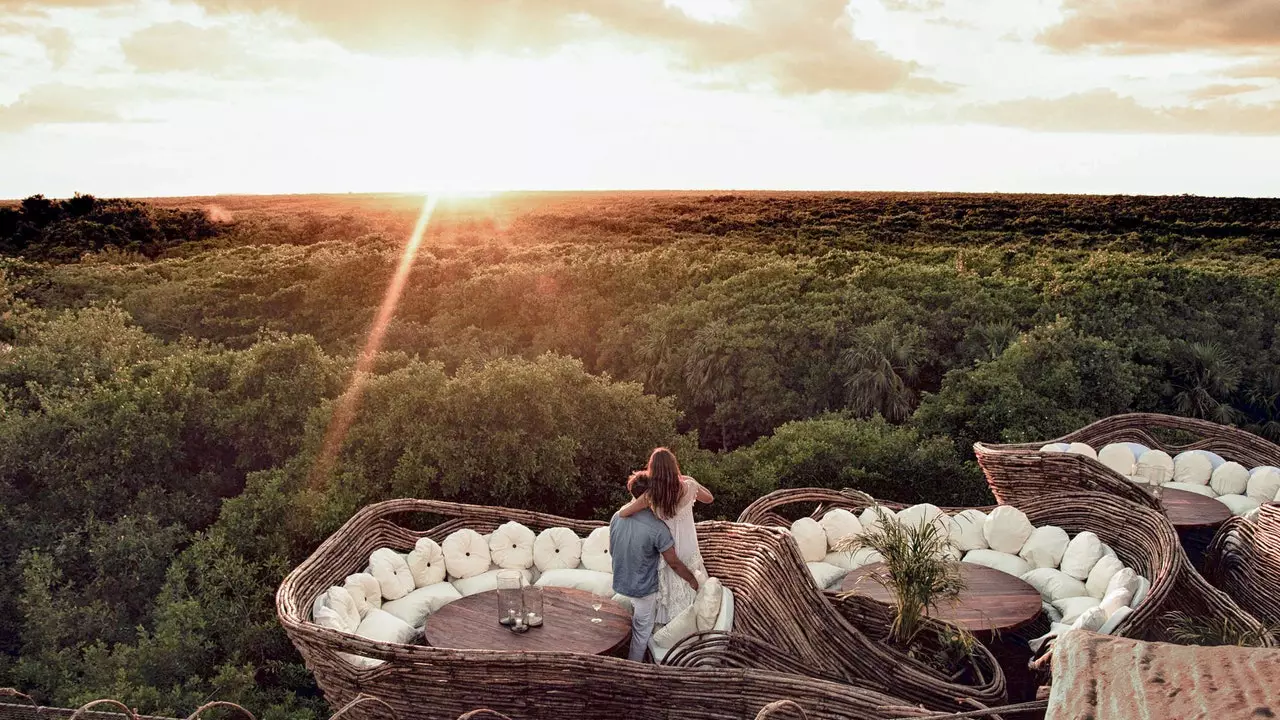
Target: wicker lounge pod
<point>1244,561</point>
<point>1142,538</point>
<point>760,566</point>
<point>1019,472</point>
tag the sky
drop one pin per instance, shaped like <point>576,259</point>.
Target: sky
<point>157,97</point>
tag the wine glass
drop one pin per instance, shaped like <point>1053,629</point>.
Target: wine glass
<point>596,604</point>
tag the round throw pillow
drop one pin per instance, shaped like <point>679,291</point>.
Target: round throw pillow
<point>1264,484</point>
<point>466,554</point>
<point>557,549</point>
<point>511,546</point>
<point>1229,479</point>
<point>874,517</point>
<point>1055,585</point>
<point>1101,574</point>
<point>1006,529</point>
<point>1045,546</point>
<point>1085,449</point>
<point>595,551</point>
<point>1192,467</point>
<point>811,538</point>
<point>924,513</point>
<point>839,524</point>
<point>365,589</point>
<point>1119,457</point>
<point>391,571</point>
<point>426,562</point>
<point>966,530</point>
<point>1082,553</point>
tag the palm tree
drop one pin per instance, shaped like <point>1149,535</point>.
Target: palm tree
<point>1202,378</point>
<point>882,365</point>
<point>988,341</point>
<point>1264,396</point>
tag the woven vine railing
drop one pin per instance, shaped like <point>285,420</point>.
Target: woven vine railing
<point>15,705</point>
<point>1244,561</point>
<point>1142,538</point>
<point>835,669</point>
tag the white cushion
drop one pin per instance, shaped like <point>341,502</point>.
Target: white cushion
<point>1045,546</point>
<point>1239,504</point>
<point>1126,578</point>
<point>417,605</point>
<point>1158,458</point>
<point>366,591</point>
<point>1119,457</point>
<point>874,517</point>
<point>1082,553</point>
<point>1144,585</point>
<point>1006,529</point>
<point>426,563</point>
<point>1051,612</point>
<point>811,538</point>
<point>1192,468</point>
<point>825,575</point>
<point>485,581</point>
<point>382,626</point>
<point>917,515</point>
<point>839,524</point>
<point>1004,562</point>
<point>1114,621</point>
<point>853,560</point>
<point>511,546</point>
<point>1252,515</point>
<point>593,581</point>
<point>557,549</point>
<point>1055,447</point>
<point>595,551</point>
<point>466,554</point>
<point>1214,458</point>
<point>1115,599</point>
<point>706,604</point>
<point>1107,551</point>
<point>1192,488</point>
<point>625,602</point>
<point>1073,607</point>
<point>1230,478</point>
<point>1101,574</point>
<point>966,530</point>
<point>1263,484</point>
<point>1079,448</point>
<point>326,616</point>
<point>1054,584</point>
<point>681,626</point>
<point>391,571</point>
<point>1092,620</point>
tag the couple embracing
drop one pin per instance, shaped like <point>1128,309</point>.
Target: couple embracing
<point>654,546</point>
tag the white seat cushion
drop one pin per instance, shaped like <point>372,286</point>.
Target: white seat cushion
<point>593,581</point>
<point>391,571</point>
<point>466,554</point>
<point>707,603</point>
<point>511,546</point>
<point>1092,620</point>
<point>382,626</point>
<point>1192,468</point>
<point>811,538</point>
<point>996,560</point>
<point>557,549</point>
<point>484,582</point>
<point>681,626</point>
<point>854,559</point>
<point>1006,529</point>
<point>966,530</point>
<point>1239,504</point>
<point>1115,599</point>
<point>1263,484</point>
<point>838,524</point>
<point>1101,574</point>
<point>1055,585</point>
<point>1045,546</point>
<point>326,616</point>
<point>1082,553</point>
<point>595,551</point>
<point>826,575</point>
<point>417,605</point>
<point>1230,478</point>
<point>1192,488</point>
<point>366,591</point>
<point>1073,607</point>
<point>1119,457</point>
<point>426,563</point>
<point>1113,622</point>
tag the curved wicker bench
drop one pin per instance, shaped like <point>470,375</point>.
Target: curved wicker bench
<point>1142,538</point>
<point>775,603</point>
<point>1020,472</point>
<point>1244,561</point>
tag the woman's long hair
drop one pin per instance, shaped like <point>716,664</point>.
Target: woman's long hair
<point>664,483</point>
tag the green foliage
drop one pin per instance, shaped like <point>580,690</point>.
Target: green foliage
<point>62,231</point>
<point>1187,629</point>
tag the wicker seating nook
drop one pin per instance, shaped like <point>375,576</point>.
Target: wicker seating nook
<point>801,647</point>
<point>1244,561</point>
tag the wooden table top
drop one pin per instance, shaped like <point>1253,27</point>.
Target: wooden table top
<point>991,600</point>
<point>472,624</point>
<point>1188,510</point>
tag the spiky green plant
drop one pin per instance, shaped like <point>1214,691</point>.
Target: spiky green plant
<point>919,571</point>
<point>1186,629</point>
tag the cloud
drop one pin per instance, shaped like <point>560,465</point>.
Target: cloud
<point>58,104</point>
<point>57,45</point>
<point>1268,68</point>
<point>1221,90</point>
<point>1105,111</point>
<point>1143,26</point>
<point>794,46</point>
<point>183,47</point>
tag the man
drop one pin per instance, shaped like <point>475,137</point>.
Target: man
<point>635,543</point>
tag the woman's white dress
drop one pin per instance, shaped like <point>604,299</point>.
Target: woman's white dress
<point>674,594</point>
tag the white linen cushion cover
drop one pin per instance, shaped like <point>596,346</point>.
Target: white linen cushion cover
<point>1082,553</point>
<point>838,524</point>
<point>511,546</point>
<point>1054,447</point>
<point>1073,607</point>
<point>485,581</point>
<point>1192,468</point>
<point>326,616</point>
<point>1115,599</point>
<point>854,559</point>
<point>1006,529</point>
<point>1230,478</point>
<point>1158,458</point>
<point>875,516</point>
<point>706,604</point>
<point>1140,594</point>
<point>1263,484</point>
<point>681,626</point>
<point>1114,621</point>
<point>996,560</point>
<point>1079,448</point>
<point>557,548</point>
<point>426,563</point>
<point>391,571</point>
<point>1101,574</point>
<point>593,581</point>
<point>1192,488</point>
<point>1092,620</point>
<point>825,575</point>
<point>917,515</point>
<point>1045,546</point>
<point>1214,458</point>
<point>1119,457</point>
<point>366,591</point>
<point>417,605</point>
<point>1054,584</point>
<point>595,551</point>
<point>966,530</point>
<point>382,626</point>
<point>466,554</point>
<point>1107,551</point>
<point>1051,612</point>
<point>811,538</point>
<point>1126,578</point>
<point>1239,504</point>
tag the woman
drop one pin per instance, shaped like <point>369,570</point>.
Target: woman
<point>671,497</point>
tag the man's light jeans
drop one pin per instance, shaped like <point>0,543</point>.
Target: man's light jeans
<point>642,613</point>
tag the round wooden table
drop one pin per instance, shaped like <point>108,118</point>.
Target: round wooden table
<point>472,624</point>
<point>991,600</point>
<point>1188,510</point>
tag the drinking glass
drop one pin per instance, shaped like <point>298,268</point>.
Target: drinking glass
<point>1156,476</point>
<point>533,606</point>
<point>597,602</point>
<point>510,599</point>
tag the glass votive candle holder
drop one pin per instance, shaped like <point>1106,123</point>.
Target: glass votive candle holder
<point>532,605</point>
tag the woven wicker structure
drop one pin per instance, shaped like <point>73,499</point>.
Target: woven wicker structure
<point>1017,473</point>
<point>836,670</point>
<point>1142,538</point>
<point>1244,561</point>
